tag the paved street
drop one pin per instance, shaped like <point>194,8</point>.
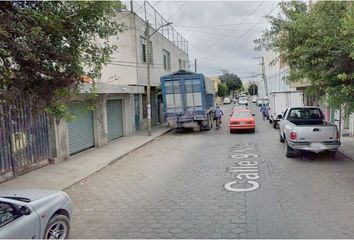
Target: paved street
<point>174,187</point>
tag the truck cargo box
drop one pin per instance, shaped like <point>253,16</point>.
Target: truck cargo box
<point>188,100</point>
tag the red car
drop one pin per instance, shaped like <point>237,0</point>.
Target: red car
<point>242,119</point>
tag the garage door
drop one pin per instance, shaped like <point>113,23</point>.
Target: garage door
<point>114,119</point>
<point>81,131</point>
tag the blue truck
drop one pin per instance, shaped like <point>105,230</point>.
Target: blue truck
<point>188,100</point>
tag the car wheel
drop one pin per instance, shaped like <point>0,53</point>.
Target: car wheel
<point>281,139</point>
<point>289,152</point>
<point>270,121</point>
<point>58,227</point>
<point>231,131</point>
<point>274,124</point>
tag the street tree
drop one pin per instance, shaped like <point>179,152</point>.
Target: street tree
<point>253,89</point>
<point>317,43</point>
<point>223,90</point>
<point>49,49</point>
<point>232,81</point>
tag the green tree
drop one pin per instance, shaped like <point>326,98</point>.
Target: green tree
<point>253,89</point>
<point>223,90</point>
<point>232,81</point>
<point>48,49</point>
<point>317,44</point>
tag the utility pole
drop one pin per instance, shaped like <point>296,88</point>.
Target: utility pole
<point>195,65</point>
<point>148,99</point>
<point>148,92</point>
<point>264,76</point>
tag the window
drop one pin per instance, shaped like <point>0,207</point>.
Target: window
<point>173,94</point>
<point>179,64</point>
<point>281,61</point>
<point>193,95</point>
<point>184,64</point>
<point>144,101</point>
<point>143,50</point>
<point>241,114</point>
<point>166,60</point>
<point>7,213</point>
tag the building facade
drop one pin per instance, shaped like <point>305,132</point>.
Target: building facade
<point>275,71</point>
<point>121,106</point>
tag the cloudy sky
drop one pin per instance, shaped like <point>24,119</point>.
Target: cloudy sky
<point>220,33</point>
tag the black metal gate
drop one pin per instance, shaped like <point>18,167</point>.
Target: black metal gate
<point>24,140</point>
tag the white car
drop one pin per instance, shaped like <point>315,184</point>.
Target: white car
<point>227,100</point>
<point>260,102</point>
<point>254,99</point>
<point>34,214</point>
<point>243,101</point>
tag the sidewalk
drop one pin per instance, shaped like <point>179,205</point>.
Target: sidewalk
<point>347,147</point>
<point>63,175</point>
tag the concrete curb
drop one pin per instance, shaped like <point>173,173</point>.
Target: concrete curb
<point>120,157</point>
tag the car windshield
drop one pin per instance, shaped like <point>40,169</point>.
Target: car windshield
<point>21,199</point>
<point>241,114</point>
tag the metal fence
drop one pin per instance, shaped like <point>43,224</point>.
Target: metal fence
<point>147,11</point>
<point>24,140</point>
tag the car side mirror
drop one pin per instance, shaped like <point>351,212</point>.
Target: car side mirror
<point>280,116</point>
<point>24,210</point>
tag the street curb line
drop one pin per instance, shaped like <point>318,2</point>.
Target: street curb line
<point>118,158</point>
<point>345,155</point>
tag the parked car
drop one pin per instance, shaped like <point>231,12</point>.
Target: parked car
<point>34,214</point>
<point>303,128</point>
<point>242,119</point>
<point>259,102</point>
<point>254,99</point>
<point>243,101</point>
<point>227,100</point>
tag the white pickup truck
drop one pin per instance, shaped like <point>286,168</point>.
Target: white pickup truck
<point>303,128</point>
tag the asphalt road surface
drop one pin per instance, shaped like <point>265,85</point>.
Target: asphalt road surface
<point>214,184</point>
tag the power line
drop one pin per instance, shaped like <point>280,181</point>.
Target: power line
<point>216,26</point>
<point>182,5</point>
<point>156,3</point>
<point>244,20</point>
<point>249,30</point>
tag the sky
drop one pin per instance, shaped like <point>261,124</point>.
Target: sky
<point>220,33</point>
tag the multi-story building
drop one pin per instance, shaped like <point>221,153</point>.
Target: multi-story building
<point>275,71</point>
<point>121,106</point>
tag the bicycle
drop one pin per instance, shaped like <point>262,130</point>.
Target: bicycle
<point>218,122</point>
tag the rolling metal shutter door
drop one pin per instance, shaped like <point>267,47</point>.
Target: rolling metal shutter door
<point>81,130</point>
<point>114,119</point>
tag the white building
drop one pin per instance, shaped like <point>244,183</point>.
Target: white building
<point>169,53</point>
<point>121,107</point>
<point>275,71</point>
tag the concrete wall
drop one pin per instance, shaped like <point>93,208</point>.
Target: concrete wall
<point>127,67</point>
<point>123,68</point>
<point>60,128</point>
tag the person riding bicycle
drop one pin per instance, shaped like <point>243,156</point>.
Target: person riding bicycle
<point>218,113</point>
